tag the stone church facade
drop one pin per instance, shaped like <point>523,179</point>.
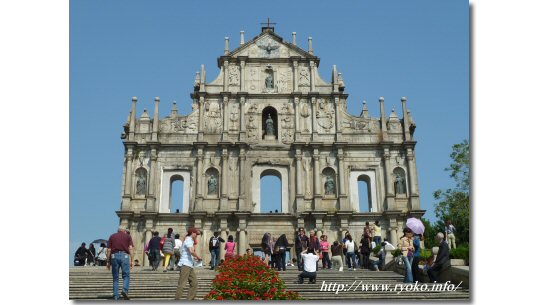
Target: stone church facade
<point>268,113</point>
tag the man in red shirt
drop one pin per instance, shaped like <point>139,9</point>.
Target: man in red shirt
<point>120,255</point>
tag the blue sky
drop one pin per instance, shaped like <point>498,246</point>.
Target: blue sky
<point>120,49</point>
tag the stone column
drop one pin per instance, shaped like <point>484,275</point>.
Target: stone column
<point>242,242</point>
<point>342,194</point>
<point>312,80</point>
<point>388,179</point>
<point>199,165</point>
<point>295,77</point>
<point>405,119</point>
<point>383,119</point>
<point>223,235</point>
<point>155,120</point>
<point>338,124</point>
<point>394,236</point>
<point>314,122</point>
<point>242,73</point>
<point>153,179</point>
<point>299,194</point>
<point>201,109</point>
<point>241,180</point>
<point>413,184</point>
<point>316,172</point>
<point>225,73</point>
<point>297,115</point>
<point>132,119</point>
<point>128,172</point>
<point>224,185</point>
<point>225,111</point>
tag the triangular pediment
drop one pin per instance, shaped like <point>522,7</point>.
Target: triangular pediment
<point>269,45</point>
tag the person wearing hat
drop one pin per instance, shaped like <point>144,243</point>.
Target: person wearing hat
<point>188,255</point>
<point>120,255</point>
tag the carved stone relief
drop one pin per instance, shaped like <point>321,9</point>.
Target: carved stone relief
<point>304,77</point>
<point>233,75</point>
<point>324,116</point>
<point>213,121</point>
<point>305,114</point>
<point>252,128</point>
<point>234,118</point>
<point>283,80</point>
<point>268,48</point>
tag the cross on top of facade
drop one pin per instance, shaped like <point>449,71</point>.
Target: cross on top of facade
<point>267,25</point>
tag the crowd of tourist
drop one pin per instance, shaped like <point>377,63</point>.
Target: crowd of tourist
<point>180,254</point>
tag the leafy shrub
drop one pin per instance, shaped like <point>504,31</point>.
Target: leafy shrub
<point>396,252</point>
<point>460,252</point>
<point>376,249</point>
<point>248,278</point>
<point>425,254</point>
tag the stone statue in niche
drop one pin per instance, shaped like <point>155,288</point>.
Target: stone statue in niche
<point>212,185</point>
<point>329,185</point>
<point>269,85</point>
<point>269,127</point>
<point>400,183</point>
<point>141,183</point>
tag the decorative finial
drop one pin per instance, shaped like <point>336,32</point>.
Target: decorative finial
<point>267,26</point>
<point>310,49</point>
<point>294,35</point>
<point>134,99</point>
<point>242,37</point>
<point>226,45</point>
<point>381,99</point>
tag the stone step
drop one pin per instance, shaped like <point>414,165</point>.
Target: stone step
<point>96,283</point>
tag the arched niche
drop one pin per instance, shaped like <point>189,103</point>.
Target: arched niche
<point>258,171</point>
<point>368,177</point>
<point>269,114</point>
<point>167,178</point>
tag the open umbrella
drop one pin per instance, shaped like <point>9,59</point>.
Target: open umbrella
<point>415,225</point>
<point>98,241</point>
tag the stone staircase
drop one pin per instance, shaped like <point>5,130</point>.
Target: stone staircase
<point>93,283</point>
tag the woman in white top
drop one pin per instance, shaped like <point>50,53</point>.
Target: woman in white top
<point>101,255</point>
<point>350,253</point>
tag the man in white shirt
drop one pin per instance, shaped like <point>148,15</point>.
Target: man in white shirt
<point>188,255</point>
<point>310,260</point>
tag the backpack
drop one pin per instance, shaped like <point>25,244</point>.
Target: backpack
<point>214,243</point>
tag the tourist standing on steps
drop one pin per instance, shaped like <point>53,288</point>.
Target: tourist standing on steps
<point>442,258</point>
<point>324,246</point>
<point>91,256</point>
<point>310,259</point>
<point>101,255</point>
<point>168,249</point>
<point>406,245</point>
<point>365,251</point>
<point>336,251</point>
<point>377,233</point>
<point>188,255</point>
<point>214,249</point>
<point>350,253</point>
<point>266,247</point>
<point>229,247</point>
<point>177,252</point>
<point>313,242</point>
<point>280,252</point>
<point>449,233</point>
<point>120,256</point>
<point>301,244</point>
<point>416,257</point>
<point>154,248</point>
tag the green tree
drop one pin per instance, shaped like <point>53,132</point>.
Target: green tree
<point>454,203</point>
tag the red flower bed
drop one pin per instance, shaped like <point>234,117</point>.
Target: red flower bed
<point>248,278</point>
